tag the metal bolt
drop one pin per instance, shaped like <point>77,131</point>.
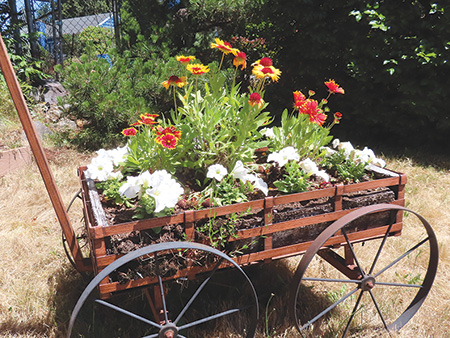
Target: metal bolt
<point>169,334</point>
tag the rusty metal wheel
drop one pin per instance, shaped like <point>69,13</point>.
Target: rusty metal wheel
<point>177,307</point>
<point>358,287</point>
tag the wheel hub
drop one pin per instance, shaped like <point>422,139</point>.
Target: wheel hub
<point>368,283</point>
<point>168,331</point>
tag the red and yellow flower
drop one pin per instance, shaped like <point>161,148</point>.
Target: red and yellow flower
<point>318,118</point>
<point>299,99</point>
<point>148,119</point>
<point>185,59</point>
<point>262,72</point>
<point>240,60</point>
<point>129,131</point>
<point>265,61</point>
<point>168,141</point>
<point>197,69</point>
<point>334,88</point>
<point>309,107</point>
<point>255,99</point>
<point>223,46</point>
<point>175,81</point>
<point>168,137</point>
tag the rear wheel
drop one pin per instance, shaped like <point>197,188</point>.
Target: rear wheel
<point>377,284</point>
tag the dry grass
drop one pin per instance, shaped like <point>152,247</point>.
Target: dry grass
<point>38,287</point>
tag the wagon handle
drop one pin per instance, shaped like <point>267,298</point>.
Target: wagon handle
<point>38,152</point>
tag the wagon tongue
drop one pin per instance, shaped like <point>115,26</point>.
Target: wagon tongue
<point>38,152</point>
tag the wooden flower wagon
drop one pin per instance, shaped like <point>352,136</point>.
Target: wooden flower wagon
<point>379,277</point>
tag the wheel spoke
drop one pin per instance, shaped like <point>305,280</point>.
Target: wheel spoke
<point>330,280</point>
<point>353,252</point>
<point>206,319</point>
<point>161,289</point>
<point>402,256</point>
<point>328,309</point>
<point>355,308</point>
<point>380,248</point>
<point>400,285</point>
<point>128,313</point>
<point>378,310</point>
<point>197,292</point>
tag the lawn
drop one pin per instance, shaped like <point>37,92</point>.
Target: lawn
<point>38,286</point>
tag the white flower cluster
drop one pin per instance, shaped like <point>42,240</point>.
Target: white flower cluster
<point>290,153</point>
<point>366,155</point>
<point>284,156</point>
<point>218,172</point>
<point>102,167</point>
<point>160,185</point>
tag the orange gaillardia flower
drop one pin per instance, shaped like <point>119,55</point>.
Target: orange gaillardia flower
<point>185,59</point>
<point>240,60</point>
<point>255,99</point>
<point>334,88</point>
<point>175,81</point>
<point>197,69</point>
<point>223,46</point>
<point>129,131</point>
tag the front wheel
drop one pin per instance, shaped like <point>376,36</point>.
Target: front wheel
<point>179,307</point>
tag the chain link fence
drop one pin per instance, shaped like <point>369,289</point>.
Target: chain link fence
<point>46,28</point>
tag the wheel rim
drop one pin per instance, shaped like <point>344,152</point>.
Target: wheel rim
<point>374,293</point>
<point>172,324</point>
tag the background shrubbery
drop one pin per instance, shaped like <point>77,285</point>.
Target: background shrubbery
<point>390,56</point>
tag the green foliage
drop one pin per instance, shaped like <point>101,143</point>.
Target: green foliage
<point>346,168</point>
<point>7,109</point>
<point>75,8</point>
<point>106,99</point>
<point>218,234</point>
<point>294,180</point>
<point>219,124</point>
<point>228,191</point>
<point>297,131</point>
<point>110,190</point>
<point>100,38</point>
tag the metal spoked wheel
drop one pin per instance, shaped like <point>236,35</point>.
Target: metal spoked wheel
<point>188,306</point>
<point>358,288</point>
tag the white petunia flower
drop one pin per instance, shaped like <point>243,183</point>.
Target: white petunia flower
<point>131,188</point>
<point>217,171</point>
<point>328,151</point>
<point>323,175</point>
<point>166,194</point>
<point>284,156</point>
<point>268,132</point>
<point>347,147</point>
<point>101,168</point>
<point>309,166</point>
<point>240,172</point>
<point>258,183</point>
<point>335,143</point>
<point>379,162</point>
